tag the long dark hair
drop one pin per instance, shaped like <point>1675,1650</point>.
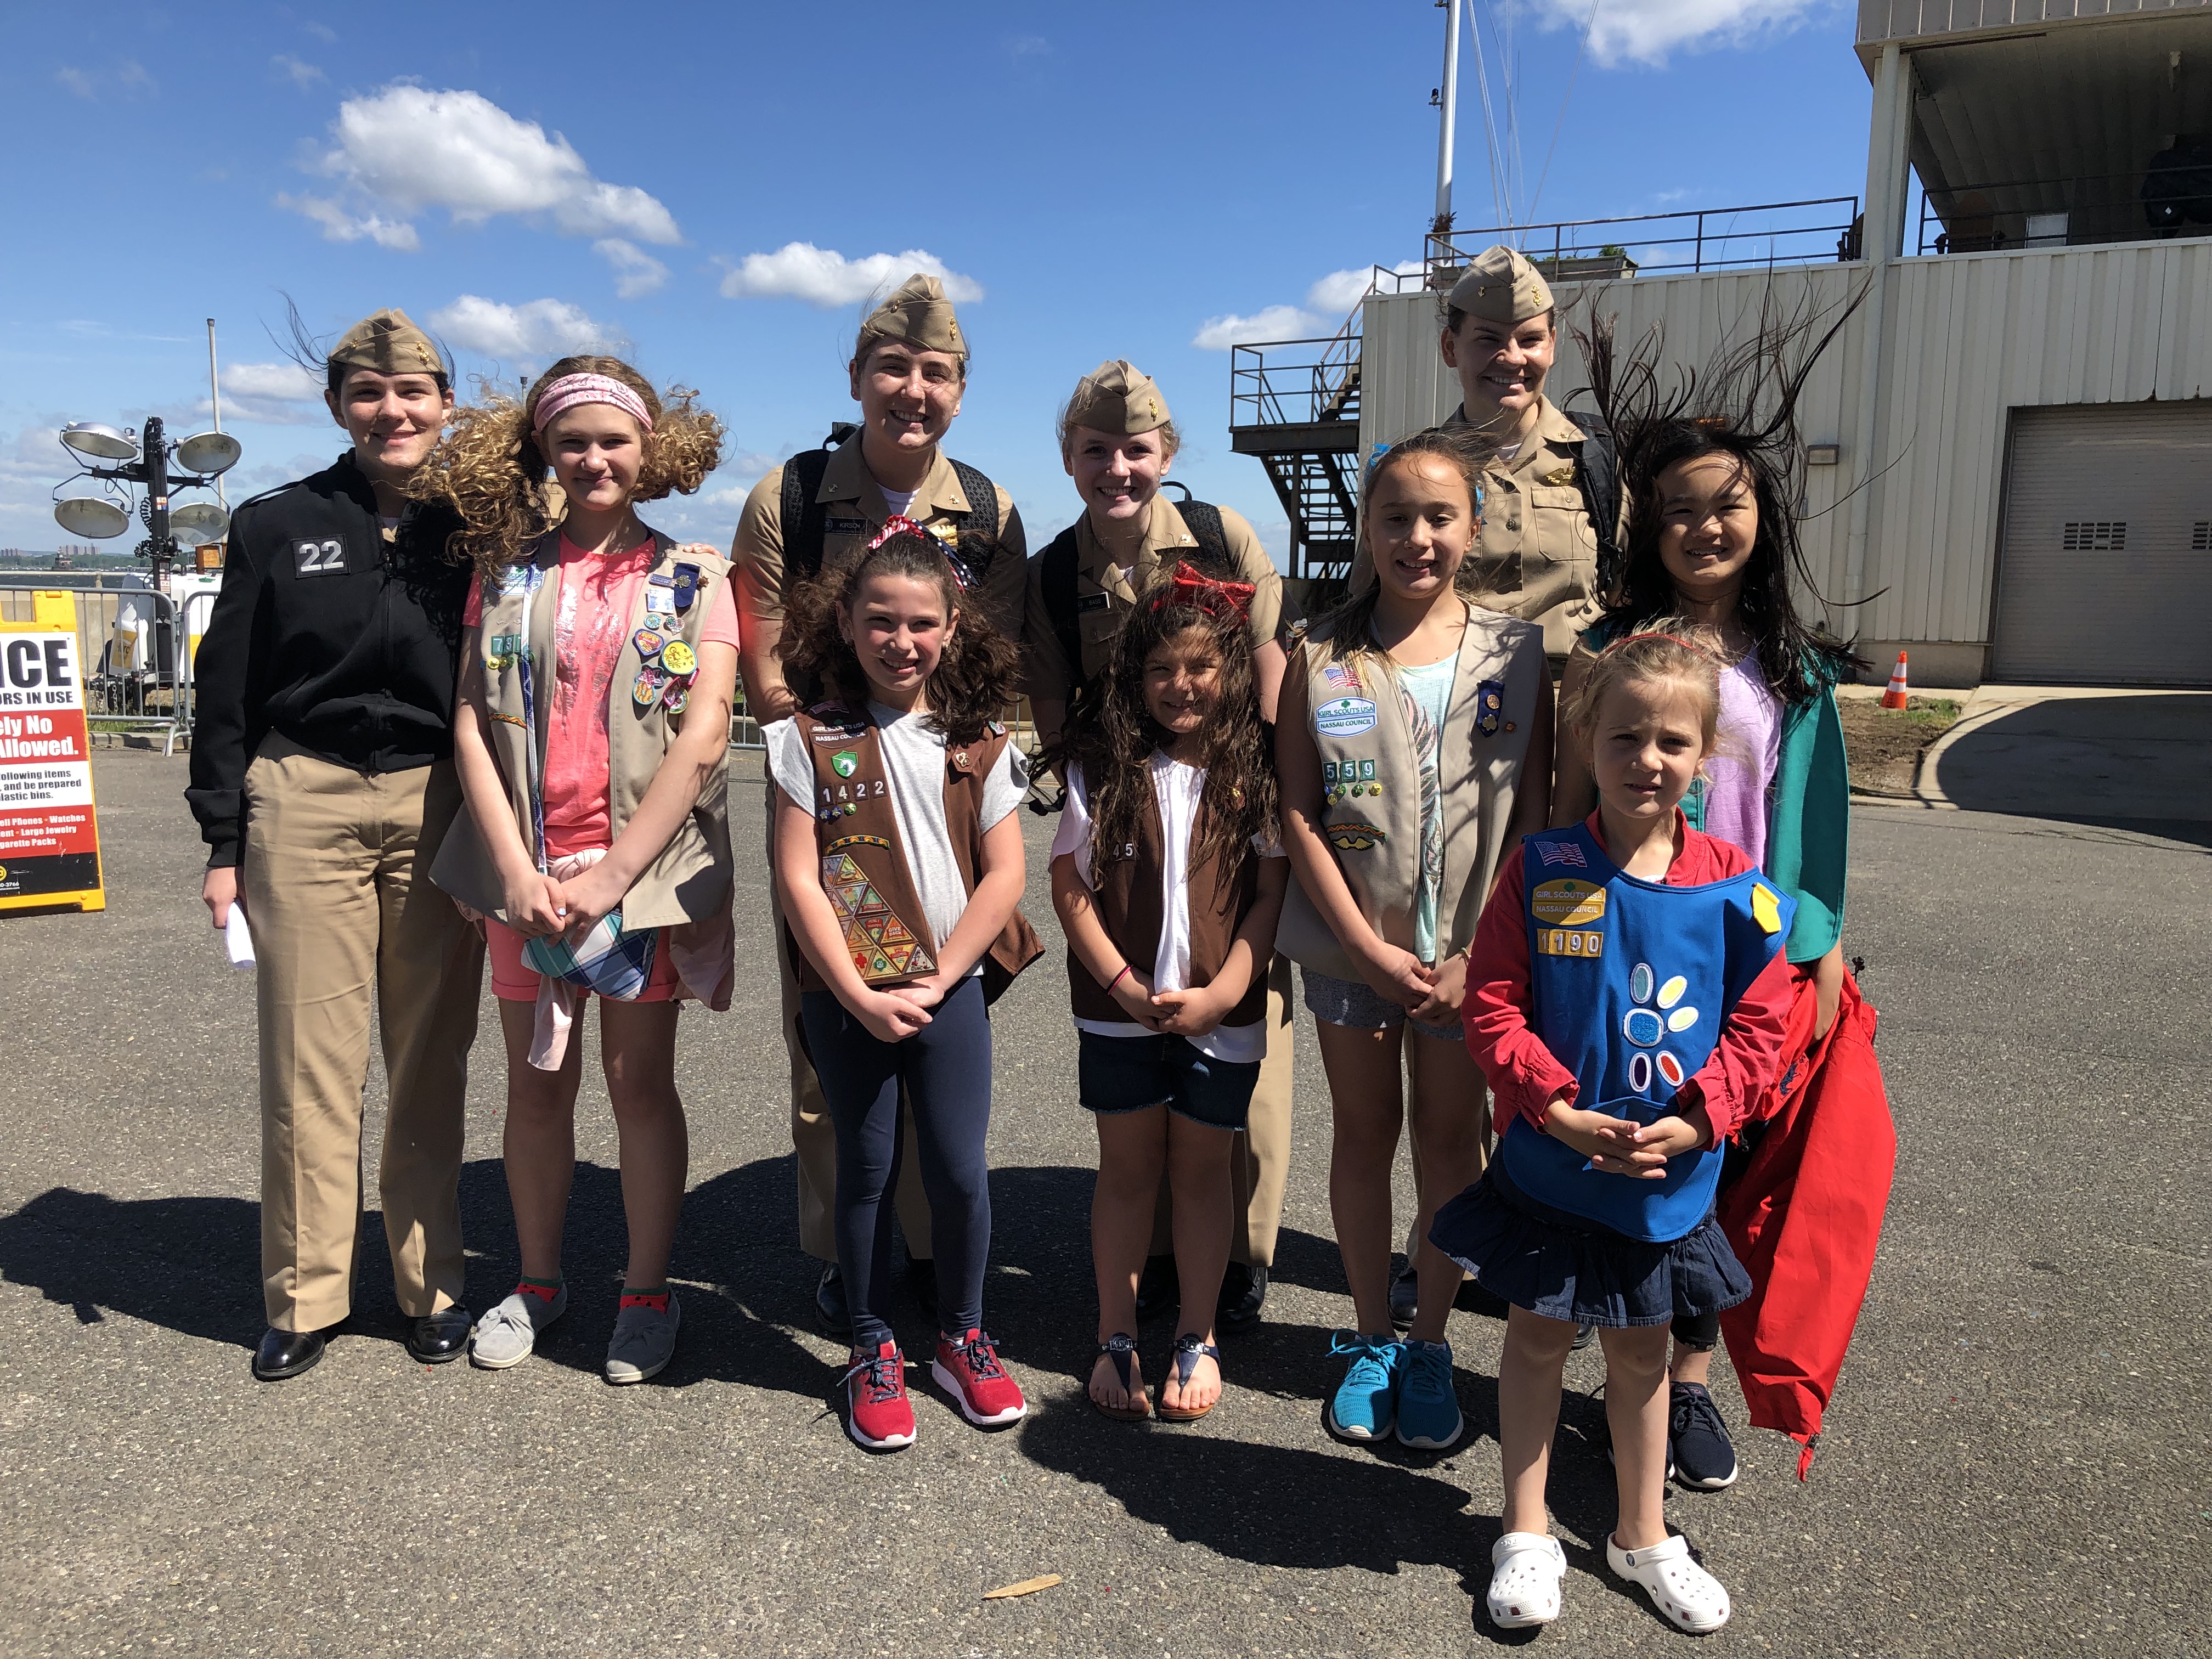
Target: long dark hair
<point>1742,405</point>
<point>974,678</point>
<point>1112,735</point>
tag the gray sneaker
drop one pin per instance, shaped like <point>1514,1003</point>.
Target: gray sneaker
<point>506,1335</point>
<point>643,1343</point>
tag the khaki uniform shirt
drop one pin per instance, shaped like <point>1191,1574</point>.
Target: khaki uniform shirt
<point>1103,599</point>
<point>856,512</point>
<point>1537,556</point>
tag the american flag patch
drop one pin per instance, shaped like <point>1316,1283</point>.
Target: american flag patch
<point>1562,852</point>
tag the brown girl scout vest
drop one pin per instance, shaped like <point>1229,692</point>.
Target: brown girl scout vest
<point>864,870</point>
<point>1371,786</point>
<point>1131,910</point>
<point>690,878</point>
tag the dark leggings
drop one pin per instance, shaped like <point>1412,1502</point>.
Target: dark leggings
<point>1702,1331</point>
<point>946,1069</point>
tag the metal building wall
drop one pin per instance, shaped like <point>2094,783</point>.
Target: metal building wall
<point>1969,336</point>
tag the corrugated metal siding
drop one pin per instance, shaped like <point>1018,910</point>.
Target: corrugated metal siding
<point>1907,20</point>
<point>1967,339</point>
<point>2126,596</point>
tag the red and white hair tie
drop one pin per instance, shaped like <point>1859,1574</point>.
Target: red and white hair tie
<point>571,390</point>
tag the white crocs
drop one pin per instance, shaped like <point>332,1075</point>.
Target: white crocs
<point>1525,1570</point>
<point>1689,1595</point>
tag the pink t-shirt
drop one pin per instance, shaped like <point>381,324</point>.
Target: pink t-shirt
<point>599,595</point>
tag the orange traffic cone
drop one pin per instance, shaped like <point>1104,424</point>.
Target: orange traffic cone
<point>1894,696</point>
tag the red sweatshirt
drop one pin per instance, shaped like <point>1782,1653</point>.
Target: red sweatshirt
<point>1737,1083</point>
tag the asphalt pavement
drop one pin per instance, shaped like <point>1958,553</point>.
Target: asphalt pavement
<point>2015,1461</point>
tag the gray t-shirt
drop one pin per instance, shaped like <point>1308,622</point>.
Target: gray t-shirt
<point>913,765</point>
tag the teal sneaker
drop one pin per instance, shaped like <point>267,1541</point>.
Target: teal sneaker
<point>1428,1405</point>
<point>1365,1403</point>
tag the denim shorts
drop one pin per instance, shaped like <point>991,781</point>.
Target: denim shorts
<point>1356,1004</point>
<point>1117,1074</point>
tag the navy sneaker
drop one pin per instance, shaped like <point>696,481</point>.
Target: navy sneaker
<point>1698,1440</point>
<point>1428,1405</point>
<point>1366,1404</point>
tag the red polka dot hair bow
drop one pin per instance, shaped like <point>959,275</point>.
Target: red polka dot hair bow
<point>899,525</point>
<point>1192,587</point>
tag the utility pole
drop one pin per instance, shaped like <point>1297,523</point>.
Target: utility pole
<point>214,403</point>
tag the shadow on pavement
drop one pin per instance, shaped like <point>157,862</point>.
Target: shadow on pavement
<point>2138,763</point>
<point>188,1264</point>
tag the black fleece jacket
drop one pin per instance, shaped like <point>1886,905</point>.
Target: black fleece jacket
<point>328,635</point>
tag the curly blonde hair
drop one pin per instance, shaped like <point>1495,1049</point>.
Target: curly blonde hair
<point>489,468</point>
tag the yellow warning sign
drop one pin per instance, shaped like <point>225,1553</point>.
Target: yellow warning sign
<point>1568,904</point>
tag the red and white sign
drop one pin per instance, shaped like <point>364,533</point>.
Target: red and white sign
<point>49,837</point>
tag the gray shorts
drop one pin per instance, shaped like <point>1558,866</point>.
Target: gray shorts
<point>1355,1005</point>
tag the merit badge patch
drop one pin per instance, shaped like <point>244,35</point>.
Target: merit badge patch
<point>844,763</point>
<point>646,641</point>
<point>1345,717</point>
<point>678,658</point>
<point>658,601</point>
<point>1354,837</point>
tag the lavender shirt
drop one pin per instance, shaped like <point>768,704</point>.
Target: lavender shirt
<point>1738,776</point>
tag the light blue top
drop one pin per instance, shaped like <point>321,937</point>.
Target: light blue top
<point>1430,690</point>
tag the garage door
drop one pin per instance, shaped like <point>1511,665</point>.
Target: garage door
<point>2104,573</point>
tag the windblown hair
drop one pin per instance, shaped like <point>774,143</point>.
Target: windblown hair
<point>1112,734</point>
<point>974,678</point>
<point>1666,652</point>
<point>301,345</point>
<point>489,467</point>
<point>1351,621</point>
<point>1743,405</point>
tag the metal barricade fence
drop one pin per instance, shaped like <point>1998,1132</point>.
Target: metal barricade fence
<point>135,651</point>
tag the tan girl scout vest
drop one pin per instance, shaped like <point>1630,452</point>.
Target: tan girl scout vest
<point>1371,786</point>
<point>864,870</point>
<point>1130,908</point>
<point>690,878</point>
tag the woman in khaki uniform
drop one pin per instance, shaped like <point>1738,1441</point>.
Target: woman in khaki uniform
<point>817,513</point>
<point>1117,442</point>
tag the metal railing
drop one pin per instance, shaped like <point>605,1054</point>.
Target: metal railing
<point>2067,210</point>
<point>1823,230</point>
<point>136,649</point>
<point>1297,382</point>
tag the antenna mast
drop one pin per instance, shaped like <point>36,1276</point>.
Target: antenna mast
<point>1442,225</point>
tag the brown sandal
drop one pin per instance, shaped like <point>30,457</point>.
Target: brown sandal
<point>1189,1351</point>
<point>1121,1349</point>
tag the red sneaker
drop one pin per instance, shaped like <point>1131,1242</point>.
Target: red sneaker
<point>968,1370</point>
<point>877,1414</point>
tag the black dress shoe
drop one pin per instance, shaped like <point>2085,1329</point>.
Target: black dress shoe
<point>1158,1287</point>
<point>1476,1297</point>
<point>922,1279</point>
<point>286,1353</point>
<point>1405,1294</point>
<point>436,1338</point>
<point>829,1298</point>
<point>1243,1293</point>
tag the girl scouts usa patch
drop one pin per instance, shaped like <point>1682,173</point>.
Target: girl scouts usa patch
<point>1345,717</point>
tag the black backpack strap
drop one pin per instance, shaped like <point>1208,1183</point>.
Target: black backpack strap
<point>1056,581</point>
<point>1203,520</point>
<point>804,519</point>
<point>1597,475</point>
<point>982,515</point>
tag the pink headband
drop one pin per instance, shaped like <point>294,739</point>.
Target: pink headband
<point>570,390</point>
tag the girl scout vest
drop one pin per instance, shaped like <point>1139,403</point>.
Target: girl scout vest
<point>1132,907</point>
<point>1631,981</point>
<point>691,877</point>
<point>1371,786</point>
<point>864,873</point>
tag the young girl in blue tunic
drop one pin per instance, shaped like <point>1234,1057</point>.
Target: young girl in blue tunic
<point>1626,999</point>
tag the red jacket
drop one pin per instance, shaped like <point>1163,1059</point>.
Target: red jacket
<point>1806,1216</point>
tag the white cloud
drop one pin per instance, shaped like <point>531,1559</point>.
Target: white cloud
<point>76,79</point>
<point>1645,31</point>
<point>300,74</point>
<point>1275,323</point>
<point>538,328</point>
<point>128,77</point>
<point>340,226</point>
<point>280,393</point>
<point>636,271</point>
<point>1336,294</point>
<point>822,276</point>
<point>406,149</point>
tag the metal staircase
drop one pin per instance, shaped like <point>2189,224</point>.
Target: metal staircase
<point>1295,405</point>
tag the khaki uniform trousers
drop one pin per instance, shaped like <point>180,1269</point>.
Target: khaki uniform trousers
<point>331,860</point>
<point>1260,1157</point>
<point>813,1136</point>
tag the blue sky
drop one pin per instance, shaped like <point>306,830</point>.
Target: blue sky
<point>1110,181</point>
